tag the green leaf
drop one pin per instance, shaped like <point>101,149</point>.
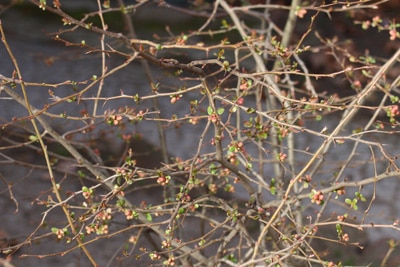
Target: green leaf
<point>348,201</point>
<point>213,169</point>
<point>124,10</point>
<point>210,110</point>
<point>231,258</point>
<point>394,99</point>
<point>339,229</point>
<point>250,110</point>
<point>272,187</point>
<point>33,138</point>
<point>224,24</point>
<point>360,196</point>
<point>249,166</point>
<point>262,135</point>
<point>181,211</point>
<point>273,190</point>
<point>220,54</point>
<point>220,111</point>
<point>148,217</point>
<point>71,99</point>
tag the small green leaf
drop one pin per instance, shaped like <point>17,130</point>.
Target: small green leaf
<point>273,190</point>
<point>348,201</point>
<point>136,98</point>
<point>339,228</point>
<point>249,83</point>
<point>209,110</point>
<point>149,217</point>
<point>231,258</point>
<point>71,99</point>
<point>272,187</point>
<point>181,211</point>
<point>360,196</point>
<point>220,111</point>
<point>81,174</point>
<point>124,10</point>
<point>213,169</point>
<point>33,138</point>
<point>249,166</point>
<point>224,24</point>
<point>394,99</point>
<point>250,110</point>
